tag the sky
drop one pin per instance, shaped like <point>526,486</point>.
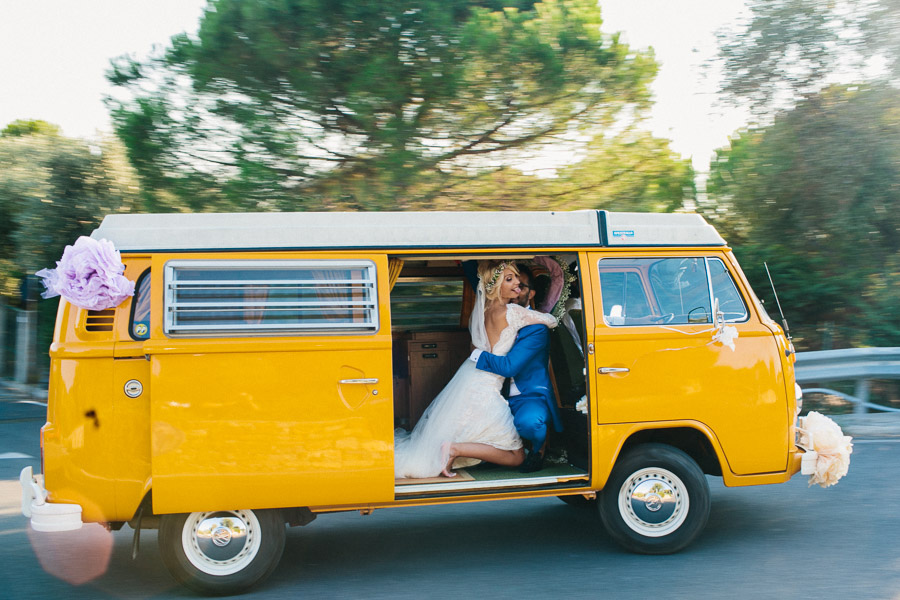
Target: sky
<point>54,55</point>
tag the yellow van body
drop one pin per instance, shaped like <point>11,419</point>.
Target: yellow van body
<point>182,421</point>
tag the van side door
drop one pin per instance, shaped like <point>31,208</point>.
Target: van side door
<point>656,359</point>
<point>271,381</point>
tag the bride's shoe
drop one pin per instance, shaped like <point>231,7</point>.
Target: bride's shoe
<point>447,459</point>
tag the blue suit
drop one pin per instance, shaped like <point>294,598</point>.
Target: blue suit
<point>534,409</point>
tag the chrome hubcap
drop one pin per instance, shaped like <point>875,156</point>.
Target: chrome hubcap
<point>221,543</point>
<point>653,502</point>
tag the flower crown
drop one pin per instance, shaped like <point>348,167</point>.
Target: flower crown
<point>489,285</point>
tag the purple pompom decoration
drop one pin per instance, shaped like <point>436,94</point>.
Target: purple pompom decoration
<point>89,275</point>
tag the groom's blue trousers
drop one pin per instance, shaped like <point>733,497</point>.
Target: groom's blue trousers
<point>531,416</point>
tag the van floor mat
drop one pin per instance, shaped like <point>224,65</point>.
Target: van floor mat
<point>490,472</point>
<point>461,475</point>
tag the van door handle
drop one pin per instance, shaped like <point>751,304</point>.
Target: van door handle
<point>607,370</point>
<point>358,381</point>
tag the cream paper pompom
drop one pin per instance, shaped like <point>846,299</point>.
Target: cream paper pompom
<point>824,436</point>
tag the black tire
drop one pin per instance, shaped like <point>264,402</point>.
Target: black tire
<point>656,500</point>
<point>222,552</point>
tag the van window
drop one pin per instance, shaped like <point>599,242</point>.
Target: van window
<point>426,303</point>
<point>681,288</point>
<point>625,289</point>
<point>140,308</point>
<point>251,297</point>
<point>731,305</point>
<point>677,291</point>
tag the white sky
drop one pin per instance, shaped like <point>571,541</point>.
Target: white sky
<point>54,54</point>
<point>682,35</point>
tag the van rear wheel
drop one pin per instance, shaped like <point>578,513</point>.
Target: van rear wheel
<point>656,500</point>
<point>222,552</point>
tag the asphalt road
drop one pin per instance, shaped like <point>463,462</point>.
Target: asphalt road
<point>781,541</point>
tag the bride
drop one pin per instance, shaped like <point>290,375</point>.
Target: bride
<point>470,421</point>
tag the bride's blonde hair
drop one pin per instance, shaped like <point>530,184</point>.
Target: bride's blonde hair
<point>489,272</point>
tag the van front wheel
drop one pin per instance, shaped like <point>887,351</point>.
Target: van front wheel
<point>656,500</point>
<point>222,552</point>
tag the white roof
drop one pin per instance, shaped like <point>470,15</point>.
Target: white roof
<point>350,230</point>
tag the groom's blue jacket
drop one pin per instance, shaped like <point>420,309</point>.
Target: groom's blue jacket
<point>526,362</point>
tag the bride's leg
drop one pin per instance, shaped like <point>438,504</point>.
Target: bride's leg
<point>509,458</point>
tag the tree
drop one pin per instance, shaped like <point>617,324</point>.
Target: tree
<point>298,104</point>
<point>817,195</point>
<point>21,127</point>
<point>52,190</point>
<point>791,48</point>
<point>629,172</point>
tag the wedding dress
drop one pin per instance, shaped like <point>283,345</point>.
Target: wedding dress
<point>470,408</point>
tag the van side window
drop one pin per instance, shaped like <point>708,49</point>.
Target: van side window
<point>268,297</point>
<point>426,303</point>
<point>625,290</point>
<point>681,288</point>
<point>140,308</point>
<point>731,305</point>
<point>658,291</point>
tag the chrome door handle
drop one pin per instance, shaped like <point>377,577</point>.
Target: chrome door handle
<point>606,370</point>
<point>358,381</point>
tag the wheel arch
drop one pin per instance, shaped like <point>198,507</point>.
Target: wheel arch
<point>689,440</point>
<point>693,438</point>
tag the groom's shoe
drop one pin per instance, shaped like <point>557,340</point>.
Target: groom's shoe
<point>533,462</point>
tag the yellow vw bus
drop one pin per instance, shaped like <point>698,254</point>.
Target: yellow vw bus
<point>258,374</point>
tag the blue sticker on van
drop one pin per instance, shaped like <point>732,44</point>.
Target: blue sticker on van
<point>623,233</point>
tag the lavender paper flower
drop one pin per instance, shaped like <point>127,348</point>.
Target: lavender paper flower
<point>89,275</point>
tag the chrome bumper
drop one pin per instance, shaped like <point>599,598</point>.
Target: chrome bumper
<point>46,516</point>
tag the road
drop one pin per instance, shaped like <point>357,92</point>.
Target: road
<point>782,541</point>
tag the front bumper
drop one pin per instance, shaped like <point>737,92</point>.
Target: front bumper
<point>795,461</point>
<point>46,516</point>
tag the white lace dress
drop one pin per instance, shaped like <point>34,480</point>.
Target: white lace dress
<point>470,408</point>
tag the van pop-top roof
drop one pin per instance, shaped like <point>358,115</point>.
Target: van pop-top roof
<point>357,230</point>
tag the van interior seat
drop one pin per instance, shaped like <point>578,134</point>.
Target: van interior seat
<point>567,365</point>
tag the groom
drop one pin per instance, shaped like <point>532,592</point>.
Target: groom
<point>531,395</point>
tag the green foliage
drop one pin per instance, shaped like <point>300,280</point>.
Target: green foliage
<point>817,195</point>
<point>317,104</point>
<point>790,48</point>
<point>21,127</point>
<point>631,172</point>
<point>52,190</point>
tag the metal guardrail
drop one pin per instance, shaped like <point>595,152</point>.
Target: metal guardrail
<point>861,365</point>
